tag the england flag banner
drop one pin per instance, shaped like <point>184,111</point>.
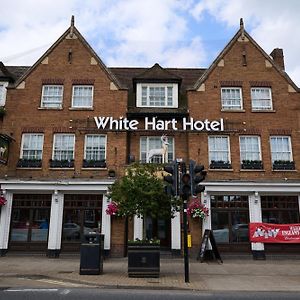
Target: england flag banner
<point>274,233</point>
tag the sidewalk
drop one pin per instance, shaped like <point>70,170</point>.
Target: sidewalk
<point>232,275</point>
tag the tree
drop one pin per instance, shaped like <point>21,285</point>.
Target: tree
<point>141,192</point>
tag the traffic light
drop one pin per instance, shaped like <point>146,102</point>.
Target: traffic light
<point>197,175</point>
<point>172,179</point>
<point>185,182</point>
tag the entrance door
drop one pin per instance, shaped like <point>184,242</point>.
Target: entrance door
<point>159,229</point>
<point>230,222</point>
<point>30,222</point>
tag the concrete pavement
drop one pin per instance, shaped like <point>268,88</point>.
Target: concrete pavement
<point>232,275</point>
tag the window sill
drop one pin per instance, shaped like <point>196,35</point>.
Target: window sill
<point>252,170</point>
<point>284,171</point>
<point>55,169</point>
<point>263,111</point>
<point>221,170</point>
<point>90,169</point>
<point>28,168</point>
<point>233,110</point>
<point>50,108</point>
<point>81,108</point>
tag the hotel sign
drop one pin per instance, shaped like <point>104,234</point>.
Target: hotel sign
<point>157,124</point>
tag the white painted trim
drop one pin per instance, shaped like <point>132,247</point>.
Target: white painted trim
<point>22,142</point>
<point>165,85</point>
<point>252,136</point>
<point>206,223</point>
<point>61,134</point>
<point>62,95</point>
<point>176,232</point>
<point>270,94</point>
<point>105,143</point>
<point>80,86</point>
<point>5,218</point>
<point>289,143</point>
<point>255,215</point>
<point>106,223</point>
<point>56,221</point>
<point>241,94</point>
<point>3,99</point>
<point>137,228</point>
<point>228,146</point>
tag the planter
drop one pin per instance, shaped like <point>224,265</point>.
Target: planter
<point>252,165</point>
<point>61,163</point>
<point>143,260</point>
<point>283,165</point>
<point>94,163</point>
<point>29,163</point>
<point>220,164</point>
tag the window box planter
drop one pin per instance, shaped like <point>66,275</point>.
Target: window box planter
<point>251,165</point>
<point>220,164</point>
<point>143,259</point>
<point>29,163</point>
<point>283,165</point>
<point>94,163</point>
<point>61,163</point>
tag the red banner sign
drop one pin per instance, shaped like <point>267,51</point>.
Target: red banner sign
<point>274,233</point>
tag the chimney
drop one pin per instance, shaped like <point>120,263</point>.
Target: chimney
<point>277,55</point>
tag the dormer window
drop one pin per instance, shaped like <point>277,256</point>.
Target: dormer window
<point>157,95</point>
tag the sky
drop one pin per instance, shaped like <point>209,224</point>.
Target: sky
<point>140,33</point>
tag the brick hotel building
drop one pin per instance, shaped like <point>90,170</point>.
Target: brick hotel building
<point>57,162</point>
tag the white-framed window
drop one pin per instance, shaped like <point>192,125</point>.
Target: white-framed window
<point>82,96</point>
<point>148,143</point>
<point>95,147</point>
<point>32,146</point>
<point>281,148</point>
<point>157,95</point>
<point>231,98</point>
<point>219,148</point>
<point>3,86</point>
<point>261,98</point>
<point>63,146</point>
<point>250,148</point>
<point>52,96</point>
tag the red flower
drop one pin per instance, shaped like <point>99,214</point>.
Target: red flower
<point>112,208</point>
<point>197,210</point>
<point>2,200</point>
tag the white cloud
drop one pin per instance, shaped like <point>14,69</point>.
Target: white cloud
<point>272,23</point>
<point>140,33</point>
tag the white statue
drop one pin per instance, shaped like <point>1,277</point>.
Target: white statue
<point>160,151</point>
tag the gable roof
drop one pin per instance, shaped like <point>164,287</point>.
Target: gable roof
<point>72,30</point>
<point>242,33</point>
<point>156,73</point>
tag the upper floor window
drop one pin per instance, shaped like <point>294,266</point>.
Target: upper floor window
<point>3,86</point>
<point>63,148</point>
<point>32,146</point>
<point>219,152</point>
<point>82,96</point>
<point>157,95</point>
<point>52,96</point>
<point>95,147</point>
<point>281,148</point>
<point>250,148</point>
<point>261,98</point>
<point>231,98</point>
<point>151,149</point>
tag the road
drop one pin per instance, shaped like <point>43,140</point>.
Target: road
<point>131,294</point>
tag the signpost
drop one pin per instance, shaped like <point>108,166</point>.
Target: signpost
<point>208,235</point>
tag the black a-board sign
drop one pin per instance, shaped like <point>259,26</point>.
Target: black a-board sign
<point>208,234</point>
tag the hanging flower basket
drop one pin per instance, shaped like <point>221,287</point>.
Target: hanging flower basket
<point>197,210</point>
<point>2,200</point>
<point>112,209</point>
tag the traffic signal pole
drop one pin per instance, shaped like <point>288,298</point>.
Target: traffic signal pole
<point>185,242</point>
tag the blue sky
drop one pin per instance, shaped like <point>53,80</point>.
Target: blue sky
<point>174,33</point>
